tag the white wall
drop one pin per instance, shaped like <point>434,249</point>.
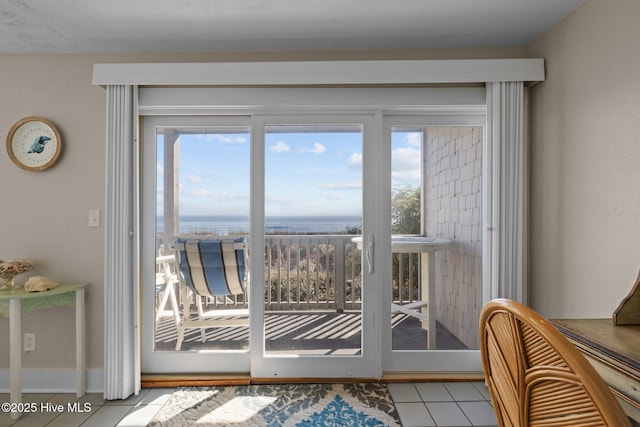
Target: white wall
<point>585,162</point>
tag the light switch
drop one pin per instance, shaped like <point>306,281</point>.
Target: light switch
<point>94,217</point>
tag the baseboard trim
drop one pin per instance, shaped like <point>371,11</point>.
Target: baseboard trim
<point>208,380</point>
<point>193,380</point>
<point>64,380</point>
<point>53,380</point>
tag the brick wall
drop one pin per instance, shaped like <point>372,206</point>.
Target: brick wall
<point>453,198</point>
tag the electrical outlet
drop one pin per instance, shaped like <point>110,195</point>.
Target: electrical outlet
<point>29,343</point>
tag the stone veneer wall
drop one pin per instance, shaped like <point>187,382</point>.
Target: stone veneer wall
<point>453,198</point>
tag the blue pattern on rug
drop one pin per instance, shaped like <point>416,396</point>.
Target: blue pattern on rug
<point>339,413</point>
<point>280,405</point>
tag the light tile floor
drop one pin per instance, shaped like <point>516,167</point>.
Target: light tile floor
<point>91,409</point>
<point>453,404</point>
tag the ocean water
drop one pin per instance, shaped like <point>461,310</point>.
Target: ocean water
<point>229,225</point>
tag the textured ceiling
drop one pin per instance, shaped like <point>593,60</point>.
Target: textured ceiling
<point>207,25</point>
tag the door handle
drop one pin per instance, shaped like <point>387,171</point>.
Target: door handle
<point>370,252</point>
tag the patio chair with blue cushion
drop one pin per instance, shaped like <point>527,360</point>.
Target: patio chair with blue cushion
<point>217,271</point>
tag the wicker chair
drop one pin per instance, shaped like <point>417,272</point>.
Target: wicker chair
<point>536,377</point>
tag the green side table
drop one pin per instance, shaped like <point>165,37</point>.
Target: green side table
<point>16,302</point>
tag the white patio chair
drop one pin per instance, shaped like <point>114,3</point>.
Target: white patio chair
<point>166,280</point>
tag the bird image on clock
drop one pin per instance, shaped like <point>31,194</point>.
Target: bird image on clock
<point>38,144</point>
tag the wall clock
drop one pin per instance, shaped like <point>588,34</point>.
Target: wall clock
<point>34,143</point>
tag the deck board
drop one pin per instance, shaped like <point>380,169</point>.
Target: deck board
<point>309,332</point>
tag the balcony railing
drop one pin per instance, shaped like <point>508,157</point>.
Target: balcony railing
<point>322,272</point>
<point>312,272</point>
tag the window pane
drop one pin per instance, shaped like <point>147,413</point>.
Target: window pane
<point>313,208</point>
<point>202,190</point>
<point>437,183</point>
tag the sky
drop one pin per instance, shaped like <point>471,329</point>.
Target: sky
<point>306,173</point>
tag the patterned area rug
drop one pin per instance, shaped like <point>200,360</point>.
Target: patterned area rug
<point>357,404</point>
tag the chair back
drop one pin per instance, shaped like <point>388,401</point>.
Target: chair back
<point>536,377</point>
<point>166,270</point>
<point>213,267</point>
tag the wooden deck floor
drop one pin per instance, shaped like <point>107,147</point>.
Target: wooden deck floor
<point>309,332</point>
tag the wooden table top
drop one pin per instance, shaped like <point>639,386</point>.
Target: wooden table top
<point>619,342</point>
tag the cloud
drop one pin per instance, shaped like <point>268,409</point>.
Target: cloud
<point>200,192</point>
<point>281,199</point>
<point>355,160</point>
<point>222,138</point>
<point>226,139</point>
<point>414,139</point>
<point>218,196</point>
<point>279,147</point>
<point>406,164</point>
<point>354,185</point>
<point>229,197</point>
<point>317,149</point>
<point>335,196</point>
<point>193,178</point>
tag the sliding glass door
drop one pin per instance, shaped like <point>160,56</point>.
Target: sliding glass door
<point>363,233</point>
<point>314,304</point>
<point>294,187</point>
<point>196,186</point>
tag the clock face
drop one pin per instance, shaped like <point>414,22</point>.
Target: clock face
<point>33,143</point>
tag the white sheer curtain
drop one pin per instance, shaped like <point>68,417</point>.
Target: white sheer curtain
<point>121,376</point>
<point>507,234</point>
